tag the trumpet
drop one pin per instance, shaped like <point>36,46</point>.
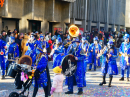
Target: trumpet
<point>102,51</point>
<point>66,45</point>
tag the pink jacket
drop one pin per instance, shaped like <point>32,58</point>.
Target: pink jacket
<point>58,82</point>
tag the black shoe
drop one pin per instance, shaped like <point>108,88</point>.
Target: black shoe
<point>122,79</point>
<point>89,69</point>
<point>80,92</point>
<point>127,79</point>
<point>109,85</point>
<point>94,69</point>
<point>69,92</point>
<point>110,80</point>
<point>3,77</point>
<point>102,83</point>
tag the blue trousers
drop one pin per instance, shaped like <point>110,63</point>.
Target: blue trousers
<point>90,66</point>
<point>127,72</point>
<point>2,64</point>
<point>71,84</point>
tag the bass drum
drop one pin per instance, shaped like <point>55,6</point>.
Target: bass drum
<point>69,65</point>
<point>58,60</point>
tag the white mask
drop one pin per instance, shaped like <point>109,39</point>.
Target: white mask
<point>95,42</point>
<point>126,40</point>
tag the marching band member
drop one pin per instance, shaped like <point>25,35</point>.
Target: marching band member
<point>42,42</point>
<point>57,49</point>
<point>109,63</point>
<point>94,50</point>
<point>42,76</point>
<point>79,75</point>
<point>2,59</point>
<point>31,49</point>
<point>13,52</point>
<point>85,47</point>
<point>124,51</point>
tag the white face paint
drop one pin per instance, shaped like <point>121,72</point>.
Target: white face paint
<point>126,40</point>
<point>32,38</point>
<point>83,41</point>
<point>95,42</point>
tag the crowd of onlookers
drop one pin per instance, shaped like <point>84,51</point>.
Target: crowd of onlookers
<point>21,38</point>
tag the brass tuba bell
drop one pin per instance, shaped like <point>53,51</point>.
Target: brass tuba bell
<point>73,31</point>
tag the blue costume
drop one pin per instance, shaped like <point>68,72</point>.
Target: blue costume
<point>2,59</point>
<point>124,49</point>
<point>94,50</point>
<point>109,63</point>
<point>42,80</point>
<point>57,50</point>
<point>31,51</point>
<point>13,52</point>
<point>79,74</point>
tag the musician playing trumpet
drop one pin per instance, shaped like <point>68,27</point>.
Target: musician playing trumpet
<point>94,50</point>
<point>124,51</point>
<point>57,49</point>
<point>109,63</point>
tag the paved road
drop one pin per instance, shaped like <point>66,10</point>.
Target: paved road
<point>118,89</point>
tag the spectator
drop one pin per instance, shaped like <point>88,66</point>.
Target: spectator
<point>15,32</point>
<point>18,41</point>
<point>8,36</point>
<point>56,33</point>
<point>4,35</point>
<point>24,48</point>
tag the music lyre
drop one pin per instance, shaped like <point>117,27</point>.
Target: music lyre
<point>69,62</point>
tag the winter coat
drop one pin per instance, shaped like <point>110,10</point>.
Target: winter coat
<point>58,82</point>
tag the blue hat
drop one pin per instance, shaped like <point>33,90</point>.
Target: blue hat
<point>126,36</point>
<point>53,37</point>
<point>76,40</point>
<point>41,37</point>
<point>36,32</point>
<point>95,38</point>
<point>59,39</point>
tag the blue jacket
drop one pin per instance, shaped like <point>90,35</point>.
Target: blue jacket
<point>13,48</point>
<point>58,51</point>
<point>41,66</point>
<point>80,77</point>
<point>124,48</point>
<point>2,45</point>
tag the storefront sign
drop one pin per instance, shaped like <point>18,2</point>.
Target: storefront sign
<point>1,3</point>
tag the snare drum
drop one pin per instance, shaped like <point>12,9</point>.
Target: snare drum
<point>11,72</point>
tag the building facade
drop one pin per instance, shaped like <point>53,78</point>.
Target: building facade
<point>35,15</point>
<point>51,15</point>
<point>108,15</point>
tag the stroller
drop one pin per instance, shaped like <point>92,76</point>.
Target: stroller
<point>24,65</point>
